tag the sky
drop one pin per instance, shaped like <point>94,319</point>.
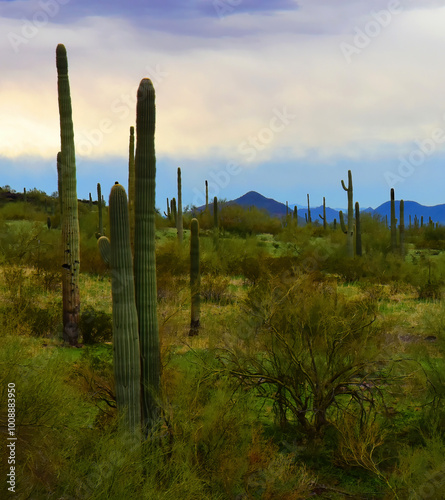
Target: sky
<point>281,97</point>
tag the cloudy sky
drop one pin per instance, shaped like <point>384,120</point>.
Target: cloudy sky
<point>281,97</point>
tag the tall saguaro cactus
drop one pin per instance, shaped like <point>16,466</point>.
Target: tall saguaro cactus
<point>350,228</point>
<point>323,217</point>
<point>179,222</point>
<point>195,277</point>
<point>402,228</point>
<point>309,218</point>
<point>70,219</point>
<point>144,251</point>
<point>126,352</point>
<point>393,223</point>
<point>99,206</point>
<point>215,213</point>
<point>207,196</point>
<point>131,185</point>
<point>358,231</point>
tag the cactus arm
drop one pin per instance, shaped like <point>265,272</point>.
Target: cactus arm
<point>103,244</point>
<point>342,222</point>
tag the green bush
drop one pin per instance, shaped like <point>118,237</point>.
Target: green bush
<point>96,326</point>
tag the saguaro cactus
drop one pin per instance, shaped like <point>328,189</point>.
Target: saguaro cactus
<point>59,180</point>
<point>323,217</point>
<point>402,228</point>
<point>296,215</point>
<point>131,185</point>
<point>393,223</point>
<point>309,218</point>
<point>173,210</point>
<point>126,352</point>
<point>179,222</point>
<point>342,222</point>
<point>195,278</point>
<point>70,219</point>
<point>99,206</point>
<point>207,196</point>
<point>350,229</point>
<point>215,212</point>
<point>358,231</point>
<point>144,251</point>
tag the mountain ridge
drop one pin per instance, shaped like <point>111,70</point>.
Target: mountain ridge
<point>278,209</point>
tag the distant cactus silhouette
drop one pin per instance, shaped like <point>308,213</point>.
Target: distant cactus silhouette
<point>350,228</point>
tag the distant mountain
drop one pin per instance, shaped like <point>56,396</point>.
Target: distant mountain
<point>437,212</point>
<point>252,198</point>
<point>277,209</point>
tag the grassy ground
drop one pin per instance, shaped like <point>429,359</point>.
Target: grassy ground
<point>218,441</point>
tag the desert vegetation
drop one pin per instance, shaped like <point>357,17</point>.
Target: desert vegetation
<point>216,352</point>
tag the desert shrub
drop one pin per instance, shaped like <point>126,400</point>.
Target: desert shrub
<point>216,289</point>
<point>47,279</point>
<point>307,350</point>
<point>430,237</point>
<point>420,473</point>
<point>96,326</point>
<point>172,259</point>
<point>51,416</point>
<point>23,312</point>
<point>213,433</point>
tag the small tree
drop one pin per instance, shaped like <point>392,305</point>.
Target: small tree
<point>308,350</point>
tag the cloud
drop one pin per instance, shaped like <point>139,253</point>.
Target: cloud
<point>219,81</point>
